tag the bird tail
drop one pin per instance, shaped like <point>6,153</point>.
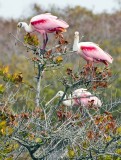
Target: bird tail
<point>60,29</point>
<point>109,59</point>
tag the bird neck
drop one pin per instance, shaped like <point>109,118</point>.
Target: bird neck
<point>65,97</point>
<point>76,42</point>
<point>28,28</point>
<point>67,102</point>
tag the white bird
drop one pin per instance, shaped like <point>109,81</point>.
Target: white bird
<point>80,97</point>
<point>90,51</point>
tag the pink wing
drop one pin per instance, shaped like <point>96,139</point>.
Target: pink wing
<point>81,96</point>
<point>43,16</point>
<point>47,21</point>
<point>83,100</point>
<point>93,51</point>
<point>79,92</point>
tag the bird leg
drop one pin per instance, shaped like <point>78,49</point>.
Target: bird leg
<point>90,66</point>
<point>92,69</point>
<point>45,40</point>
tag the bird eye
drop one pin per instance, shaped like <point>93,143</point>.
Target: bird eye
<point>19,25</point>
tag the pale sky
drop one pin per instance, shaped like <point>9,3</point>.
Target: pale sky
<point>22,8</point>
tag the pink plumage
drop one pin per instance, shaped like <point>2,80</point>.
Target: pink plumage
<point>44,23</point>
<point>83,97</point>
<point>48,23</point>
<point>90,51</point>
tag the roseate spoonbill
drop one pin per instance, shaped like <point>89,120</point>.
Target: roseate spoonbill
<point>44,23</point>
<point>78,97</point>
<point>90,51</point>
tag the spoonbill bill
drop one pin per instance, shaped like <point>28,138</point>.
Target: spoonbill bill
<point>80,97</point>
<point>90,51</point>
<point>44,23</point>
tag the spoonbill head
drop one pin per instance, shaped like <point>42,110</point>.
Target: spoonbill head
<point>19,25</point>
<point>76,34</point>
<point>58,94</point>
<point>27,28</point>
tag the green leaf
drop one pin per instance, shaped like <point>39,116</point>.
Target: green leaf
<point>2,88</point>
<point>71,153</point>
<point>118,130</point>
<point>38,140</point>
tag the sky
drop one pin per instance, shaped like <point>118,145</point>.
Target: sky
<point>22,8</point>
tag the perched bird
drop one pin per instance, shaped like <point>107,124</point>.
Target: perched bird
<point>44,23</point>
<point>83,97</point>
<point>90,51</point>
<point>78,97</point>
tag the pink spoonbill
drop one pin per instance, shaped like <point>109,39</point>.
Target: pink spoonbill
<point>80,97</point>
<point>44,23</point>
<point>90,51</point>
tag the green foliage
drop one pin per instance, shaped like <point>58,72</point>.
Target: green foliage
<point>7,77</point>
<point>31,40</point>
<point>2,88</point>
<point>118,130</point>
<point>71,152</point>
<point>38,140</point>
